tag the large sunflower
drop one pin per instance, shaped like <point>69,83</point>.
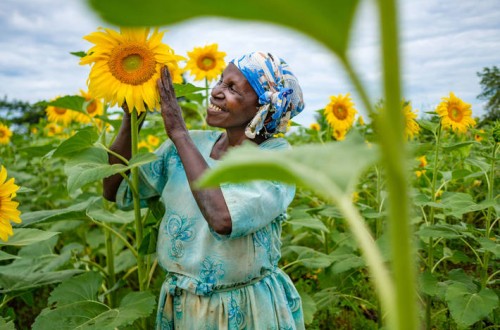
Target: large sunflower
<point>59,115</point>
<point>340,112</point>
<point>411,126</point>
<point>126,66</point>
<point>455,114</point>
<point>8,208</point>
<point>94,108</point>
<point>206,62</point>
<point>5,134</point>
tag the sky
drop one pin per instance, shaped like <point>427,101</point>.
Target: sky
<point>443,45</point>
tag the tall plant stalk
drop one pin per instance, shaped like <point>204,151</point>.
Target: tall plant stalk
<point>430,247</point>
<point>393,155</point>
<point>110,254</point>
<point>136,202</point>
<point>491,179</point>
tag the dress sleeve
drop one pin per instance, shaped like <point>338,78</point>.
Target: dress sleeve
<point>152,180</point>
<point>255,204</point>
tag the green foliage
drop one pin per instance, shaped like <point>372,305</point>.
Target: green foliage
<point>21,112</point>
<point>76,306</point>
<point>327,21</point>
<point>328,177</point>
<point>490,91</point>
<point>92,165</point>
<point>468,305</point>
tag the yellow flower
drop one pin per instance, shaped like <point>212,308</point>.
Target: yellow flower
<point>34,130</point>
<point>411,126</point>
<point>94,108</point>
<point>59,115</point>
<point>315,127</point>
<point>206,62</point>
<point>423,161</point>
<point>476,183</point>
<point>125,66</point>
<point>422,164</point>
<point>8,208</point>
<point>479,135</point>
<point>144,145</point>
<point>340,112</point>
<point>339,134</point>
<point>153,140</point>
<point>5,134</point>
<point>455,114</point>
<point>355,197</point>
<point>361,121</point>
<point>52,129</point>
<point>175,72</point>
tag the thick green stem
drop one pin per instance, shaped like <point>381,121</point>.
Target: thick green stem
<point>372,256</point>
<point>136,201</point>
<point>484,272</point>
<point>110,263</point>
<point>404,314</point>
<point>430,247</point>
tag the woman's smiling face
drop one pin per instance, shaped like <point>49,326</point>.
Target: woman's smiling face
<point>233,103</point>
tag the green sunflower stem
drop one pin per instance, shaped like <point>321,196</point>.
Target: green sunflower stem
<point>134,127</point>
<point>484,272</point>
<point>110,262</point>
<point>430,247</point>
<point>404,314</point>
<point>207,96</point>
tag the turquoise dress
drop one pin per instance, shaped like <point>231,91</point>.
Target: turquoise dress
<point>216,281</point>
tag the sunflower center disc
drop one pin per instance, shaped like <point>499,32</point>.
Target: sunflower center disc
<point>60,111</point>
<point>132,64</point>
<point>206,63</point>
<point>2,134</point>
<point>92,107</point>
<point>455,114</point>
<point>340,113</point>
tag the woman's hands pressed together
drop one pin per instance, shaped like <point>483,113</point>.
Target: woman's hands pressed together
<point>170,109</point>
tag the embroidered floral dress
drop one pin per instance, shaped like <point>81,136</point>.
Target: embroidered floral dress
<point>216,281</point>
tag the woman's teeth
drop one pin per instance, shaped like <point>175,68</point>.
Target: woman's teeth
<point>214,107</point>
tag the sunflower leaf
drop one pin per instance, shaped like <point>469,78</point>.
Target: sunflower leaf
<point>467,306</point>
<point>27,236</point>
<point>75,301</point>
<point>71,102</point>
<point>74,212</point>
<point>79,54</point>
<point>330,170</point>
<point>185,90</point>
<point>83,139</point>
<point>92,165</point>
<point>327,21</point>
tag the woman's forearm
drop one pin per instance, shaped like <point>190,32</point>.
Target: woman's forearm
<point>210,201</point>
<point>122,146</point>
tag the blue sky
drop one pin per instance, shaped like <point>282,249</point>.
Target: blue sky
<point>444,44</point>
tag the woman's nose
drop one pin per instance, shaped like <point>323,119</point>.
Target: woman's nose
<point>217,91</point>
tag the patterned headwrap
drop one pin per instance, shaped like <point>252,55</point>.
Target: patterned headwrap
<point>280,96</point>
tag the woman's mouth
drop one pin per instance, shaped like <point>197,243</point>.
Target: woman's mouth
<point>215,108</point>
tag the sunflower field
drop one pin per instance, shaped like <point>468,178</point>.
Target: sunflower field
<point>395,223</point>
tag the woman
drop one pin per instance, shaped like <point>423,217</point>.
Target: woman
<point>221,246</point>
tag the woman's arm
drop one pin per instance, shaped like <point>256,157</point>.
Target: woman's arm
<point>210,201</point>
<point>122,146</point>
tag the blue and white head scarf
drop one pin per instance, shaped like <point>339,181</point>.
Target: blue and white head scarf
<point>280,96</point>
